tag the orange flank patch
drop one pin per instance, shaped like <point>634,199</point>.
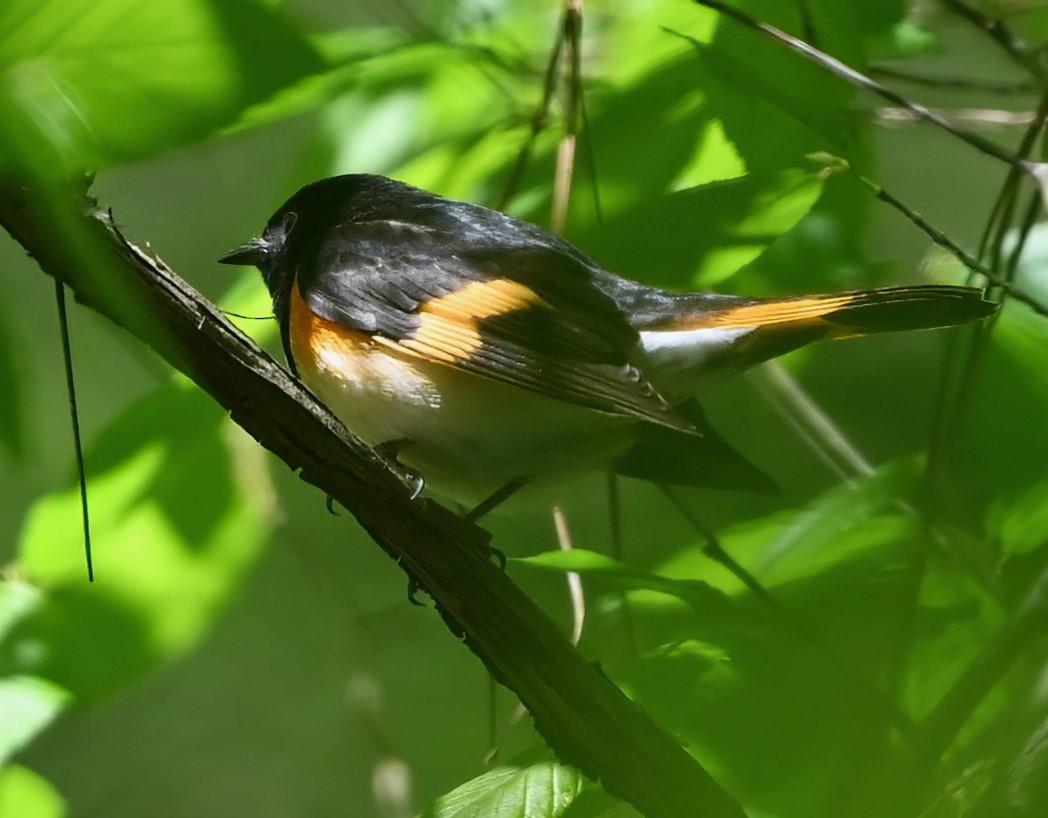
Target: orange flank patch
<point>448,326</point>
<point>314,339</point>
<point>764,313</point>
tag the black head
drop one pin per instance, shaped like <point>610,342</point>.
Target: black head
<point>320,206</point>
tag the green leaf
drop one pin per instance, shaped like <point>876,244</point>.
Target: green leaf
<point>1028,776</point>
<point>17,601</point>
<point>596,566</point>
<point>543,790</point>
<point>27,794</point>
<point>27,706</point>
<point>908,39</point>
<point>176,520</point>
<point>86,83</point>
<point>811,540</point>
<point>1021,522</point>
<point>1023,336</point>
<point>704,234</point>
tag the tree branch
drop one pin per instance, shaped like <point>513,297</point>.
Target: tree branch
<point>584,717</point>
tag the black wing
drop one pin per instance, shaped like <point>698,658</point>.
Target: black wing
<point>668,456</point>
<point>514,310</point>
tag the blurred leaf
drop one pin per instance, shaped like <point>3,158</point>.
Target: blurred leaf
<point>963,792</point>
<point>705,234</point>
<point>94,82</point>
<point>26,794</point>
<point>599,567</point>
<point>811,539</point>
<point>11,378</point>
<point>17,601</point>
<point>1021,523</point>
<point>775,105</point>
<point>1028,776</point>
<point>908,39</point>
<point>841,530</point>
<point>27,706</point>
<point>540,791</point>
<point>765,715</point>
<point>789,107</point>
<point>1023,335</point>
<point>176,522</point>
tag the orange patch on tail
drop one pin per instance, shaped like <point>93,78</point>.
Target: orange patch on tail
<point>766,312</point>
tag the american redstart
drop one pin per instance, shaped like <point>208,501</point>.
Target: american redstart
<point>485,352</point>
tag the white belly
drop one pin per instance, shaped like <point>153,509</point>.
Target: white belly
<point>466,435</point>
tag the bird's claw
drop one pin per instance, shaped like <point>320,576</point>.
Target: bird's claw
<point>408,476</point>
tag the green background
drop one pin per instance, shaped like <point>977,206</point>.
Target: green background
<point>243,650</point>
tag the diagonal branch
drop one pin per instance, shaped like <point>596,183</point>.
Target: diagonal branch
<point>583,716</point>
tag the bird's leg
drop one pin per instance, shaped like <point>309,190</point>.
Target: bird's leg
<point>495,499</point>
<point>498,496</point>
<point>389,452</point>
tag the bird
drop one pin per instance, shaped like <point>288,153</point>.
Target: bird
<point>480,353</point>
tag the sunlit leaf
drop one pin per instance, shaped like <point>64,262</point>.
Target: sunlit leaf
<point>1021,523</point>
<point>176,521</point>
<point>28,794</point>
<point>605,569</point>
<point>27,706</point>
<point>1023,336</point>
<point>704,234</point>
<point>543,790</point>
<point>1028,777</point>
<point>810,540</point>
<point>92,82</point>
<point>17,601</point>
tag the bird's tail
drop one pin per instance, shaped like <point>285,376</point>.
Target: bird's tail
<point>712,335</point>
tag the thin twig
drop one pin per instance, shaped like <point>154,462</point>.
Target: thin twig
<point>538,123</point>
<point>715,551</point>
<point>1003,36</point>
<point>232,314</point>
<point>959,367</point>
<point>617,551</point>
<point>1033,210</point>
<point>820,430</point>
<point>807,22</point>
<point>565,171</point>
<point>845,72</point>
<point>1010,190</point>
<point>983,117</point>
<point>74,415</point>
<point>944,241</point>
<point>958,83</point>
<point>578,596</point>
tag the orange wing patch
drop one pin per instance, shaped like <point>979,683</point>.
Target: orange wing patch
<point>448,326</point>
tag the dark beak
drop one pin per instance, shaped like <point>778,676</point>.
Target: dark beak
<point>253,253</point>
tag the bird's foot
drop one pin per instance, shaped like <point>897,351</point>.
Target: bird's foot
<point>408,476</point>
